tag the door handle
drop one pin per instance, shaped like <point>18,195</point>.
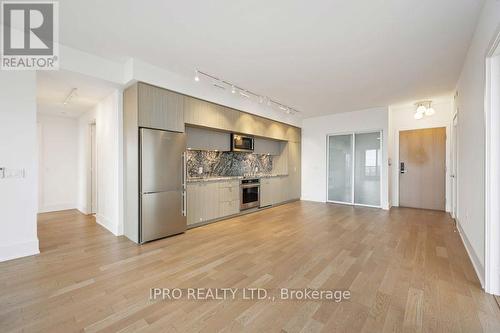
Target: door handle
<point>184,176</point>
<point>402,168</point>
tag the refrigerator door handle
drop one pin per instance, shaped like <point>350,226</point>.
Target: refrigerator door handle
<point>184,176</point>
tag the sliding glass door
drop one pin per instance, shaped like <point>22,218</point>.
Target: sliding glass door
<point>340,168</point>
<point>354,163</point>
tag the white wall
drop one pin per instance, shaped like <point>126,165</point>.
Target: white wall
<point>18,150</point>
<point>400,119</point>
<point>314,132</point>
<point>107,116</point>
<point>58,163</point>
<point>471,129</point>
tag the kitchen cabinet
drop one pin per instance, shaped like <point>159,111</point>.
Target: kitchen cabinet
<point>205,139</point>
<point>274,190</point>
<point>160,108</point>
<point>267,146</point>
<point>229,198</point>
<point>294,169</point>
<point>293,134</point>
<point>245,123</point>
<point>266,192</point>
<point>208,201</point>
<point>206,114</point>
<point>280,161</point>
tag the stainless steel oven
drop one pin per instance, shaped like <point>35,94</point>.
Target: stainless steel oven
<point>242,143</point>
<point>250,193</point>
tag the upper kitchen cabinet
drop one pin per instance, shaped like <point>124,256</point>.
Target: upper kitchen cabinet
<point>205,139</point>
<point>202,113</point>
<point>266,146</point>
<point>245,123</point>
<point>293,134</point>
<point>226,118</point>
<point>160,108</point>
<point>276,130</point>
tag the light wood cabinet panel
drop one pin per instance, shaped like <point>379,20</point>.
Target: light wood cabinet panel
<point>194,209</point>
<point>204,139</point>
<point>293,134</point>
<point>201,113</point>
<point>160,108</point>
<point>266,192</point>
<point>208,201</point>
<point>276,131</point>
<point>226,118</point>
<point>280,162</point>
<point>294,169</point>
<point>267,146</point>
<point>245,123</point>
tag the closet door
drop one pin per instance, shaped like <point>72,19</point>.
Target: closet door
<point>367,159</point>
<point>340,168</point>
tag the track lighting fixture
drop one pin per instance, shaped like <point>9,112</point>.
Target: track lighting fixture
<point>223,84</point>
<point>68,98</point>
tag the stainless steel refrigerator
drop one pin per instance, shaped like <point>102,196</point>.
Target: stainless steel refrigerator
<point>162,184</point>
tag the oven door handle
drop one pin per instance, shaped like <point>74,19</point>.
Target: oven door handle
<point>248,186</point>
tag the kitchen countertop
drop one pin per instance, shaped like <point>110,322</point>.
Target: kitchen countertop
<point>214,179</point>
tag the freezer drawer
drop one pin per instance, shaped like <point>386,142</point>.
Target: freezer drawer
<point>161,215</point>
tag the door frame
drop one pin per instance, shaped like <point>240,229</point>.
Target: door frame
<point>353,133</point>
<point>396,158</point>
<point>92,170</point>
<point>454,165</point>
<point>492,176</point>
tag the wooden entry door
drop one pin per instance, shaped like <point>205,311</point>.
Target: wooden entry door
<point>422,168</point>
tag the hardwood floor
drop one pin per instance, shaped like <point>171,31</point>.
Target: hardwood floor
<point>406,269</point>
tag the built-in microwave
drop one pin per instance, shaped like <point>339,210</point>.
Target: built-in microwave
<point>242,143</point>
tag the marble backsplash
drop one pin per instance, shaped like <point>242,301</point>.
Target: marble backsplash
<point>226,163</point>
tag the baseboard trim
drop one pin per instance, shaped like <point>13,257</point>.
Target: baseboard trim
<point>106,223</point>
<point>472,255</point>
<point>56,207</point>
<point>19,250</point>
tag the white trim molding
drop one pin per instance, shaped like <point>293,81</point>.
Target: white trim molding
<point>476,263</point>
<point>492,170</point>
<point>18,250</point>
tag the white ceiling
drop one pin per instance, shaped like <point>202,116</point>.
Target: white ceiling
<point>321,57</point>
<point>54,86</point>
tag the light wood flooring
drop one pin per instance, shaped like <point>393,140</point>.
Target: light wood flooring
<point>406,269</point>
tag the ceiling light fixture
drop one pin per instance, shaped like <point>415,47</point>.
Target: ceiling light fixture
<point>68,98</point>
<point>424,108</point>
<point>430,111</point>
<point>220,83</point>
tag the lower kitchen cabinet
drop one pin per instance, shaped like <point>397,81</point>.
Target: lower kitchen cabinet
<point>212,200</point>
<point>266,192</point>
<point>274,190</point>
